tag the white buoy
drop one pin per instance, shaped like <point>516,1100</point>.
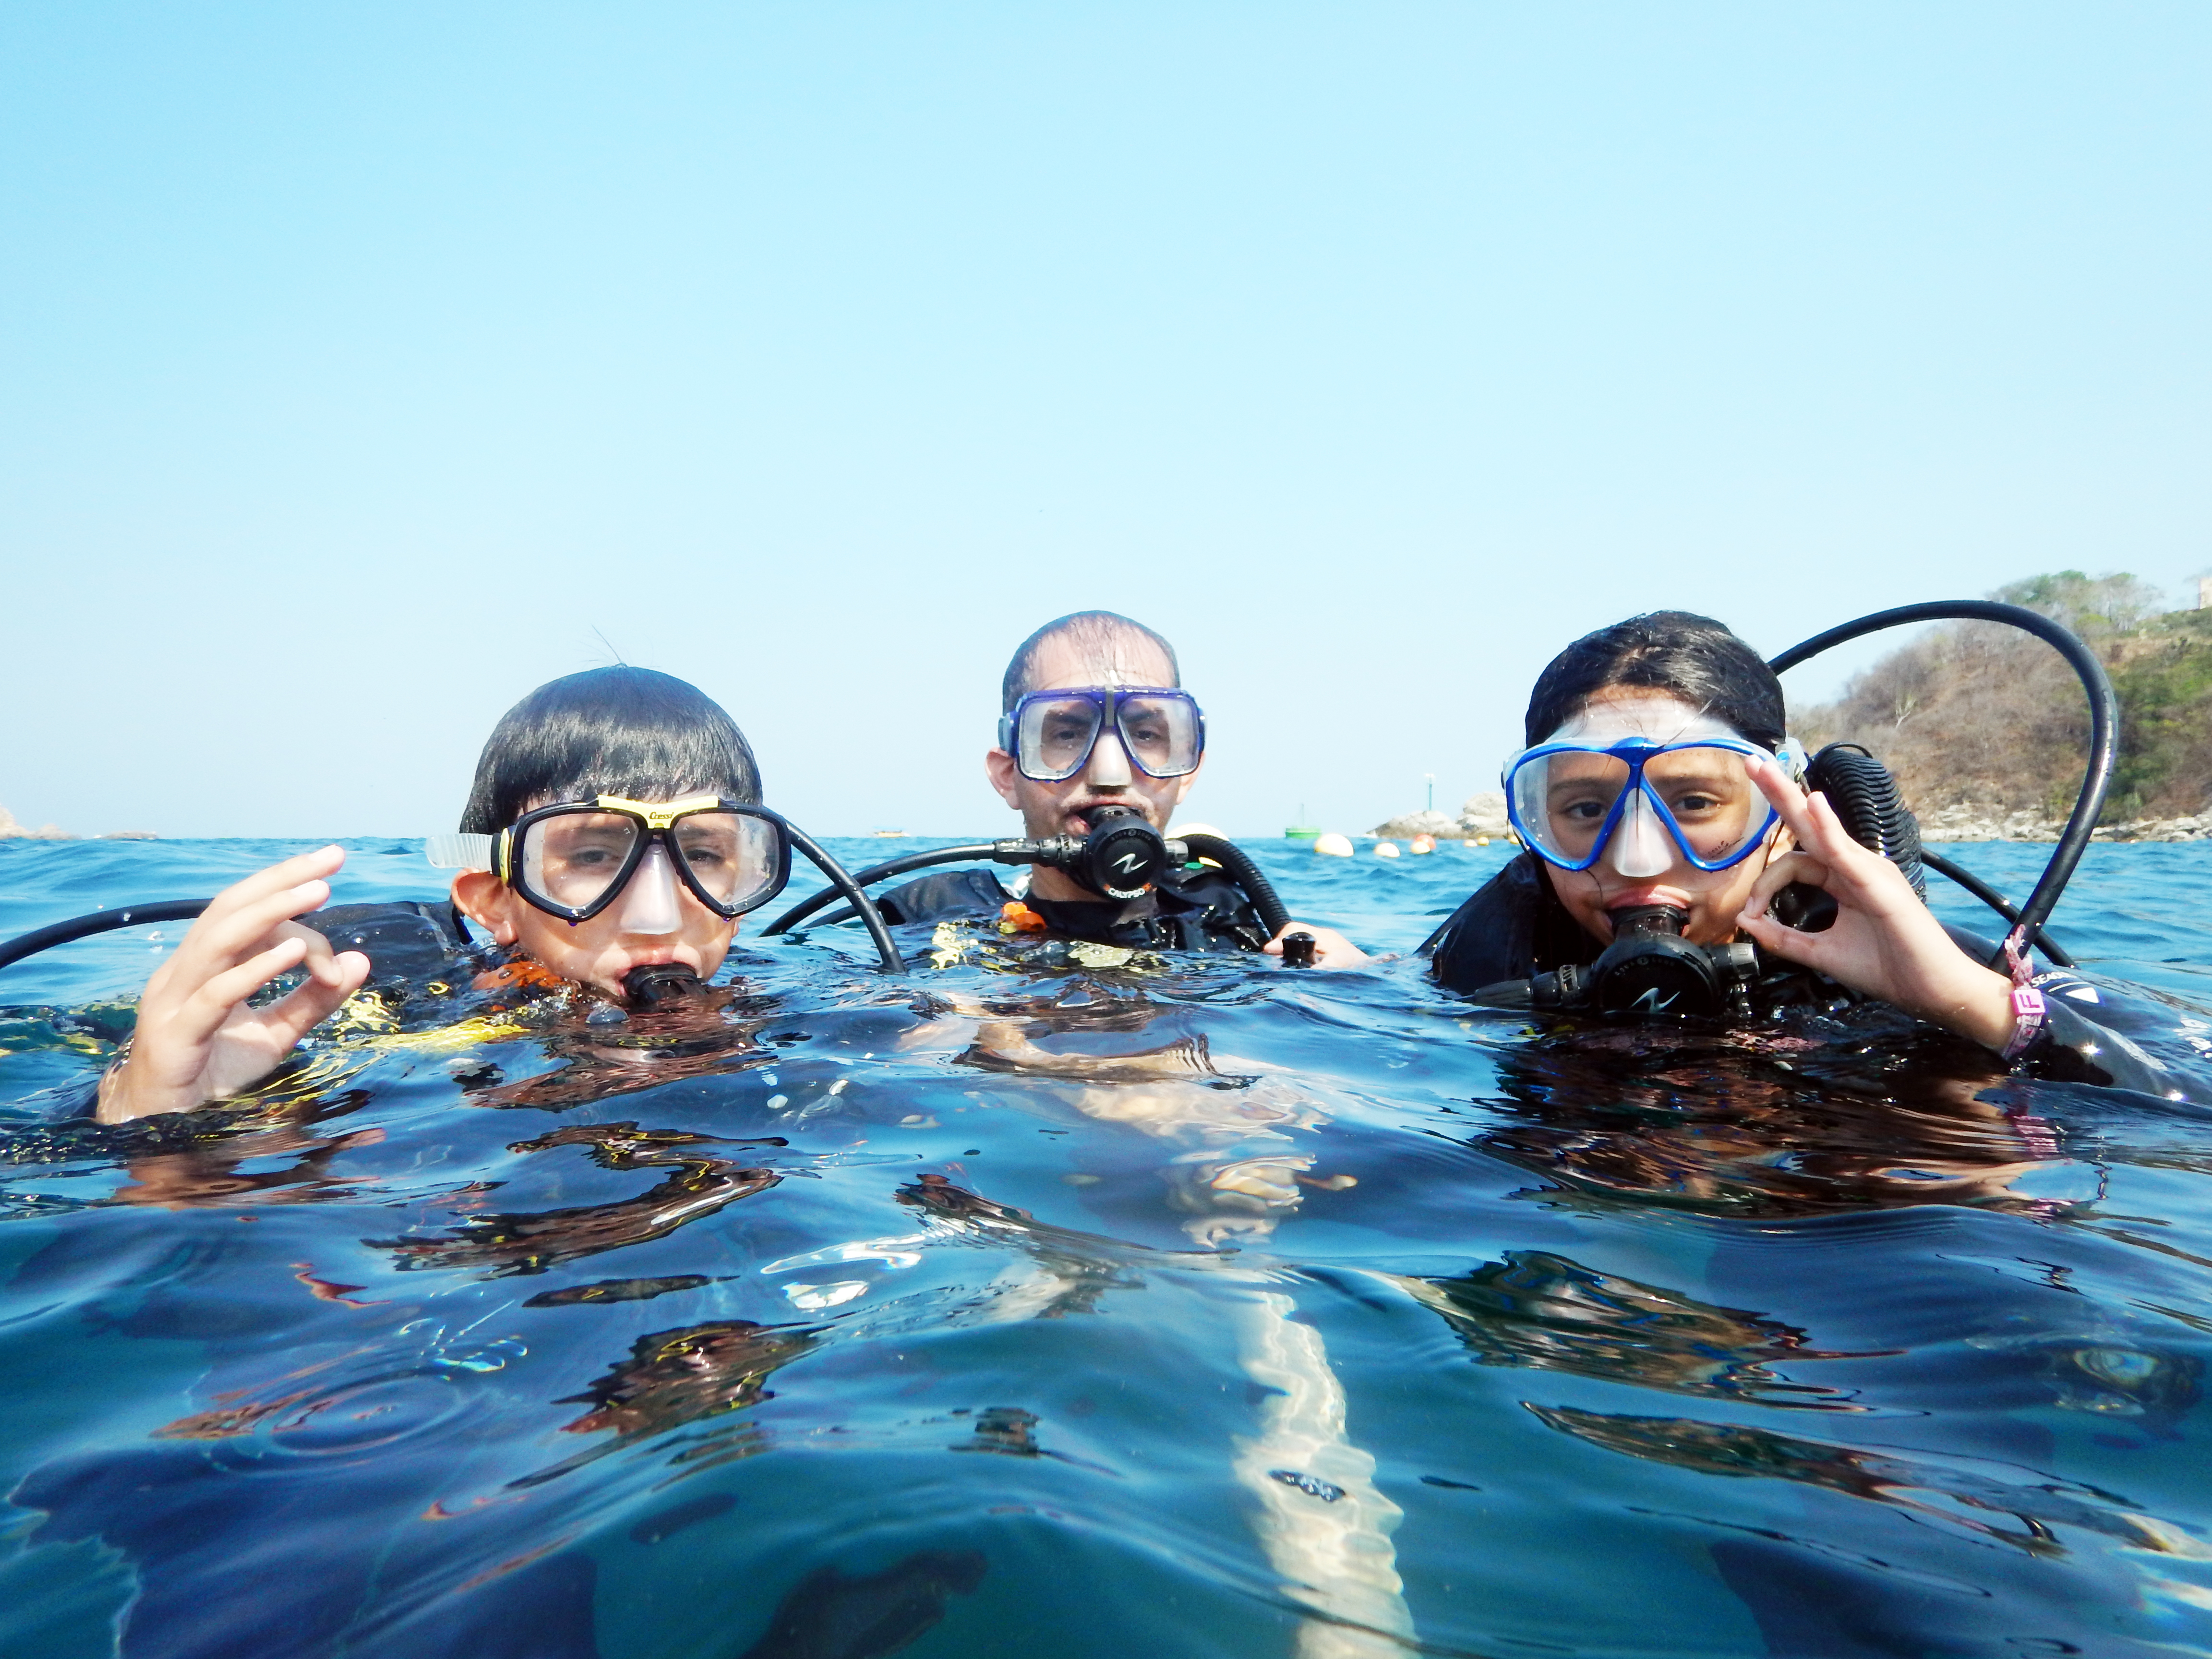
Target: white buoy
<point>1482,841</point>
<point>1386,849</point>
<point>1332,846</point>
<point>1178,831</point>
<point>1422,843</point>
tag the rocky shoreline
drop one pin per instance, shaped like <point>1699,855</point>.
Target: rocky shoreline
<point>11,830</point>
<point>1483,817</point>
<point>1968,822</point>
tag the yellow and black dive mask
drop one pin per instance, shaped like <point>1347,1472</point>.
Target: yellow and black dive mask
<point>575,860</point>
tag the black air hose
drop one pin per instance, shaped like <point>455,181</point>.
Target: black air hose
<point>874,873</point>
<point>2104,722</point>
<point>1864,796</point>
<point>1274,915</point>
<point>99,922</point>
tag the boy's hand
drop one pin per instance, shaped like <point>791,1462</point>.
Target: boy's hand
<point>1885,943</point>
<point>197,1039</point>
<point>1331,948</point>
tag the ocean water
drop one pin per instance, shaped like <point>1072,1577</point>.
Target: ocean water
<point>1023,1308</point>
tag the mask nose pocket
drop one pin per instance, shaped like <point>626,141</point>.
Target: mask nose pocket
<point>1110,762</point>
<point>649,905</point>
<point>1641,848</point>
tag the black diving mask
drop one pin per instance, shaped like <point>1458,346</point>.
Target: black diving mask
<point>574,859</point>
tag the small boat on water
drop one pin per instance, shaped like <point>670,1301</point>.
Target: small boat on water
<point>888,834</point>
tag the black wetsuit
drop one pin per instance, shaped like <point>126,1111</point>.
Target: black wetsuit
<point>1514,927</point>
<point>1189,910</point>
<point>406,943</point>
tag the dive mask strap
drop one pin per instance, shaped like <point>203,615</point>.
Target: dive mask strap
<point>458,852</point>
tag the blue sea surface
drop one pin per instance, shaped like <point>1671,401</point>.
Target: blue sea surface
<point>1025,1306</point>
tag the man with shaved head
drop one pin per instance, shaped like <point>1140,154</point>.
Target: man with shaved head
<point>1094,724</point>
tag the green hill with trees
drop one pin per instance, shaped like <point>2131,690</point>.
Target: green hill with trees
<point>1986,727</point>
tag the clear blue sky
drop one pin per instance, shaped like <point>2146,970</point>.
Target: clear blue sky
<point>358,362</point>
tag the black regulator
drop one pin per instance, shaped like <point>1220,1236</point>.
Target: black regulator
<point>1649,969</point>
<point>1122,857</point>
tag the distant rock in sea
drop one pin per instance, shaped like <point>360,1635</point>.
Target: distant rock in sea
<point>1479,815</point>
<point>1406,825</point>
<point>11,830</point>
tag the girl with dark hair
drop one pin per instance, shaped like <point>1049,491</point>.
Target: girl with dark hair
<point>613,825</point>
<point>1659,795</point>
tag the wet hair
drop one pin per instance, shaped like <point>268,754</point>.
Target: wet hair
<point>619,731</point>
<point>1092,633</point>
<point>1686,656</point>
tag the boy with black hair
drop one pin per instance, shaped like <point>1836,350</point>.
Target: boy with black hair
<point>608,829</point>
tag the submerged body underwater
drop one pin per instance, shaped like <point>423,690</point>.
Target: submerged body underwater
<point>1063,1300</point>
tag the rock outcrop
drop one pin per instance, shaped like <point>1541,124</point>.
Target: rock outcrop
<point>1479,815</point>
<point>11,830</point>
<point>1406,825</point>
<point>1969,821</point>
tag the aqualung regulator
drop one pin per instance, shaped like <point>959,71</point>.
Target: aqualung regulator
<point>1121,858</point>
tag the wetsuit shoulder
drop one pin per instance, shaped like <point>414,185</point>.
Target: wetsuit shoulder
<point>946,896</point>
<point>404,941</point>
<point>1512,927</point>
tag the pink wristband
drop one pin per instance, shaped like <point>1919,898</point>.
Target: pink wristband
<point>2028,1008</point>
<point>2027,1012</point>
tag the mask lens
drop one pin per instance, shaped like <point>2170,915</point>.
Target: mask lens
<point>571,859</point>
<point>1054,736</point>
<point>1711,798</point>
<point>1161,733</point>
<point>1563,800</point>
<point>732,855</point>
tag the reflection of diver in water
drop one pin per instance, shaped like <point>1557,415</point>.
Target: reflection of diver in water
<point>1240,1173</point>
<point>829,1615</point>
<point>699,1185</point>
<point>689,1031</point>
<point>1763,1123</point>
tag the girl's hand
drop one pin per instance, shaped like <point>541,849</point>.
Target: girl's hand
<point>1331,948</point>
<point>1886,943</point>
<point>197,1039</point>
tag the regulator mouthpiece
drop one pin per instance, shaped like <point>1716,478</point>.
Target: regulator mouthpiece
<point>1650,968</point>
<point>661,985</point>
<point>1123,855</point>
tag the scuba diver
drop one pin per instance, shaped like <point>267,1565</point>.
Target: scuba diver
<point>613,836</point>
<point>1673,862</point>
<point>1096,730</point>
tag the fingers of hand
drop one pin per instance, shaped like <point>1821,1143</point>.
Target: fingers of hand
<point>1787,796</point>
<point>1789,867</point>
<point>281,877</point>
<point>205,1011</point>
<point>290,1020</point>
<point>1772,937</point>
<point>229,932</point>
<point>321,962</point>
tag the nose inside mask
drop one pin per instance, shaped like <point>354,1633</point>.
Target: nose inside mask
<point>1109,761</point>
<point>649,905</point>
<point>1641,848</point>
